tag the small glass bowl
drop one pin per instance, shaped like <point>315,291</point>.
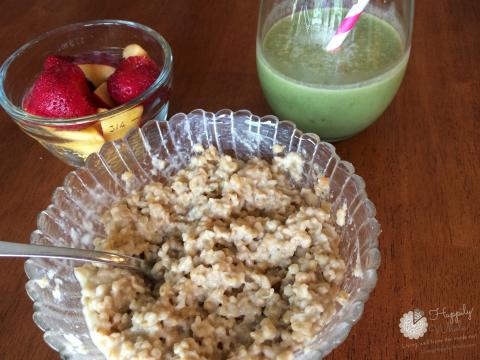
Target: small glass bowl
<point>101,41</point>
<point>72,220</point>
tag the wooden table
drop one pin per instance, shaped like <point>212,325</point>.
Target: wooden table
<point>421,162</point>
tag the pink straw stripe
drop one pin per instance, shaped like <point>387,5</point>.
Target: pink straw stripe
<point>347,24</point>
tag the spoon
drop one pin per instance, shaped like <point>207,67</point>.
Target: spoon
<point>9,249</point>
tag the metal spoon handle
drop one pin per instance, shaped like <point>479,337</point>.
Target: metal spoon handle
<point>9,249</point>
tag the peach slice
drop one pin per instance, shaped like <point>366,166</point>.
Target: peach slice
<point>133,50</point>
<point>97,73</point>
<point>116,126</point>
<point>84,148</point>
<point>83,142</point>
<point>101,92</point>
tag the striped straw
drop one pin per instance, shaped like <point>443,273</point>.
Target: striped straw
<point>347,25</point>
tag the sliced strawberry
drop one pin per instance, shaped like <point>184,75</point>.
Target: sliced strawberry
<point>133,76</point>
<point>61,91</point>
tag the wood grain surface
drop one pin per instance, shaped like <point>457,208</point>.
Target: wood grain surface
<point>421,162</point>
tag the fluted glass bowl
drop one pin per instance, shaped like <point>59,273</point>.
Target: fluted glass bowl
<point>73,217</point>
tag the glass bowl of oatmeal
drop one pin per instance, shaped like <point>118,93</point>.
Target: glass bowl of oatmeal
<point>263,244</point>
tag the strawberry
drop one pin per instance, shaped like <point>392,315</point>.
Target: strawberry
<point>61,91</point>
<point>132,77</point>
<point>135,62</point>
<point>56,60</point>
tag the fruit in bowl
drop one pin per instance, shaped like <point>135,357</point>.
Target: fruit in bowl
<point>65,89</point>
<point>77,86</point>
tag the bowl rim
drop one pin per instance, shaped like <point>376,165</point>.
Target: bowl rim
<point>350,312</point>
<point>18,114</point>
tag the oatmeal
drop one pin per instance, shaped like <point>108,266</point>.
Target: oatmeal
<point>246,264</point>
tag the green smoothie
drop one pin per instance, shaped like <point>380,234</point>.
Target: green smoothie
<point>334,94</point>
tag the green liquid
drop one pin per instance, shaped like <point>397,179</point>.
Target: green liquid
<point>335,94</point>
